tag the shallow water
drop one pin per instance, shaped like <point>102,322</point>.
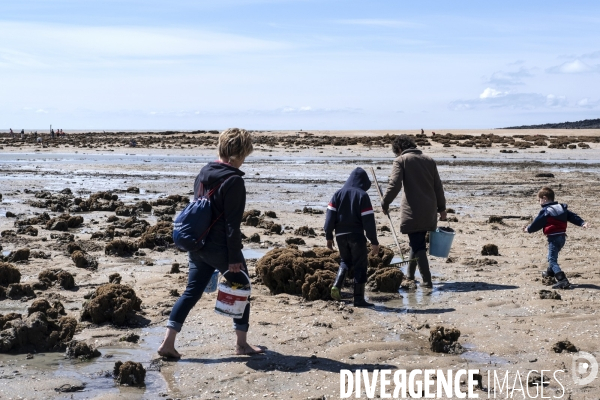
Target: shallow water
<point>96,373</point>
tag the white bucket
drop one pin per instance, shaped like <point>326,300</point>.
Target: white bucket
<point>231,302</point>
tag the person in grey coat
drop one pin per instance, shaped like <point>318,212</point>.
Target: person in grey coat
<point>423,198</point>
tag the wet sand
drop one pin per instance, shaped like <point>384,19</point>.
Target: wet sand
<point>504,323</point>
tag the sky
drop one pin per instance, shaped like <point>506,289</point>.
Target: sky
<point>297,64</point>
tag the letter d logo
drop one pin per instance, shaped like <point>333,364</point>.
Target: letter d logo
<point>584,363</point>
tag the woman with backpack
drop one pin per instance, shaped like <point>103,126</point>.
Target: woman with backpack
<point>222,182</point>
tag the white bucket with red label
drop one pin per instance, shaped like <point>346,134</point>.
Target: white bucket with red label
<point>232,302</point>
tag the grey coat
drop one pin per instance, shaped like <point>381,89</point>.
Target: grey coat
<point>423,195</point>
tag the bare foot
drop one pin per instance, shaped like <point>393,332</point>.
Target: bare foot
<point>168,353</point>
<point>248,349</point>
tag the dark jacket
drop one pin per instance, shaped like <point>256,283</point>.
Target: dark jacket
<point>553,218</point>
<point>423,195</point>
<point>350,209</point>
<point>229,202</point>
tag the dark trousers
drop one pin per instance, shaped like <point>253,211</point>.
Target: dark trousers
<point>202,265</point>
<point>354,254</point>
<point>416,241</point>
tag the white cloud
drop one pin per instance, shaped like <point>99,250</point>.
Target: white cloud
<point>556,101</point>
<point>588,103</point>
<point>41,111</point>
<point>509,78</point>
<point>490,93</point>
<point>30,44</point>
<point>573,67</point>
<point>494,99</point>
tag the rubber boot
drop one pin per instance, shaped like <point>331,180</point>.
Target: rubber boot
<point>423,264</point>
<point>548,272</point>
<point>338,284</point>
<point>563,282</point>
<point>359,296</point>
<point>412,266</point>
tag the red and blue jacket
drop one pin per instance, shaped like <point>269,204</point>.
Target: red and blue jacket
<point>553,219</point>
<point>350,209</point>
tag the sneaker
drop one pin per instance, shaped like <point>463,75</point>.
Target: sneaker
<point>428,285</point>
<point>335,294</point>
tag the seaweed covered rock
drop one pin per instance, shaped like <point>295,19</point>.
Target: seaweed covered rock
<point>39,331</point>
<point>49,276</point>
<point>285,270</point>
<point>84,260</point>
<point>18,291</point>
<point>129,373</point>
<point>130,337</point>
<point>294,240</point>
<point>160,234</point>
<point>112,303</point>
<point>564,345</point>
<point>42,305</point>
<point>120,248</point>
<point>382,259</point>
<point>489,250</point>
<point>19,255</point>
<point>81,350</point>
<point>27,230</point>
<point>387,279</point>
<point>115,278</point>
<point>550,295</point>
<point>317,286</point>
<point>445,340</point>
<point>305,231</point>
<point>9,274</point>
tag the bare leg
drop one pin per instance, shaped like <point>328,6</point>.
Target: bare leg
<point>242,347</point>
<point>167,348</point>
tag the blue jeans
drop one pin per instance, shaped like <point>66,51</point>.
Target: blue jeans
<point>555,244</point>
<point>353,252</point>
<point>202,265</point>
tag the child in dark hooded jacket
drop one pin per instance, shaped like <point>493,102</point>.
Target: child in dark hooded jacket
<point>350,215</point>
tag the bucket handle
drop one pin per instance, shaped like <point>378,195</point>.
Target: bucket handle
<point>247,277</point>
<point>447,221</point>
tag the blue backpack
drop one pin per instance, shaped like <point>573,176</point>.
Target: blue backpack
<point>192,225</point>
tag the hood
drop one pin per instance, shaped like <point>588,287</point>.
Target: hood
<point>216,171</point>
<point>550,203</point>
<point>358,179</point>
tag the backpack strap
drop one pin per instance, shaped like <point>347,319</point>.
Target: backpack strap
<point>201,190</point>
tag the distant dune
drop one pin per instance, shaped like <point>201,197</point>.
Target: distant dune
<point>585,124</point>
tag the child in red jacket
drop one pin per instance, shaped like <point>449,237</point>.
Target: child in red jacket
<point>553,220</point>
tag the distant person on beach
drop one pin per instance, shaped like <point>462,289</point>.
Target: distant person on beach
<point>553,218</point>
<point>52,133</point>
<point>422,200</point>
<point>22,134</point>
<point>350,215</point>
<point>12,133</point>
<point>223,248</point>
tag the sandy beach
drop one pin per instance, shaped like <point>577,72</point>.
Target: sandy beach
<point>493,300</point>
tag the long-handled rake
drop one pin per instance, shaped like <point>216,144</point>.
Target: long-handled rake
<point>403,262</point>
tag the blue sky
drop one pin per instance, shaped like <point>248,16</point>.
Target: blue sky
<point>326,64</point>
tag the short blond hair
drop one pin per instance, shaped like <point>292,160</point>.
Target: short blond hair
<point>235,144</point>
